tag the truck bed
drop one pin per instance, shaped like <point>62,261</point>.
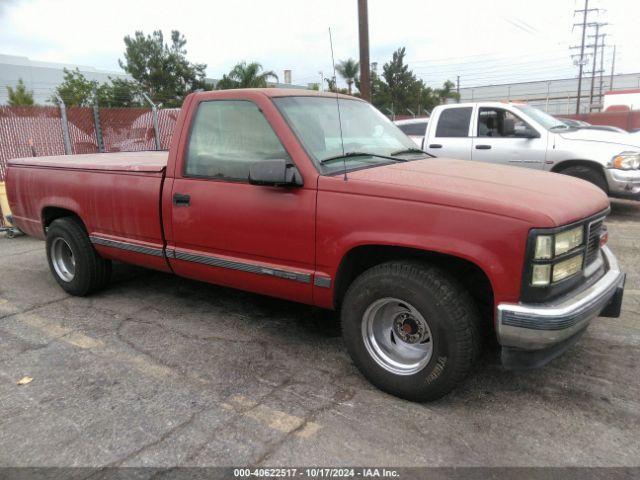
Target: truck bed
<point>116,195</point>
<point>116,162</point>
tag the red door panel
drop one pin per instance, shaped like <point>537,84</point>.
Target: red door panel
<point>251,237</point>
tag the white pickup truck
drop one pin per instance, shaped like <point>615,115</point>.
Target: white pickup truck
<point>521,135</point>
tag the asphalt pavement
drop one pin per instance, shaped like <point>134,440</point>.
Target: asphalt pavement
<point>161,371</point>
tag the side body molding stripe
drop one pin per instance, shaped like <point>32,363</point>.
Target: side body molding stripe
<point>243,267</point>
<point>131,247</point>
<point>213,261</point>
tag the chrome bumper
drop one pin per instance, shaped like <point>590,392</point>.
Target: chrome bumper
<point>538,327</point>
<point>623,183</point>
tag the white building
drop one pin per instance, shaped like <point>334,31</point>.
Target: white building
<point>558,97</point>
<point>43,77</point>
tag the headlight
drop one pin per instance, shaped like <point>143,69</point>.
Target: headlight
<point>567,268</point>
<point>545,269</point>
<point>568,240</point>
<point>626,161</point>
<point>549,246</point>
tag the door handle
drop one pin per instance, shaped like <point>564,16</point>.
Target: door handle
<point>483,147</point>
<point>435,145</point>
<point>180,199</point>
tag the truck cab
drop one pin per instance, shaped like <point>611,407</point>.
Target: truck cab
<point>520,135</point>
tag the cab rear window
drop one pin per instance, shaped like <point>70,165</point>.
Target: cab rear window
<point>454,122</point>
<point>416,129</point>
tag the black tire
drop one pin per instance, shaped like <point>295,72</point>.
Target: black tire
<point>590,174</point>
<point>452,318</point>
<point>91,271</point>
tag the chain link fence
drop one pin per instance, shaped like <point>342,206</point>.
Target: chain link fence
<point>40,131</point>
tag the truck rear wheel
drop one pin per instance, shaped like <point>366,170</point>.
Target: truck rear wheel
<point>589,174</point>
<point>75,264</point>
<point>410,329</point>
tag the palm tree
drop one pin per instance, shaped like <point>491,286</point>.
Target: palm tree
<point>348,69</point>
<point>246,75</point>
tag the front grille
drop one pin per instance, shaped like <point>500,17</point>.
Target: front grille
<point>593,241</point>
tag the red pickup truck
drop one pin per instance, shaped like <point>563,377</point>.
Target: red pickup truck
<point>322,200</point>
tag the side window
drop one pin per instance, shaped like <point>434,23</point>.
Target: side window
<point>416,129</point>
<point>500,123</point>
<point>454,122</point>
<point>227,137</point>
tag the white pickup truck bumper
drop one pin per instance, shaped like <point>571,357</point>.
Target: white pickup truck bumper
<point>623,183</point>
<point>532,335</point>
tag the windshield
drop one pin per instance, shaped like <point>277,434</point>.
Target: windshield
<point>315,122</point>
<point>544,119</point>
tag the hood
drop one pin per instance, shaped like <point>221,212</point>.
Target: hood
<point>602,136</point>
<point>543,199</point>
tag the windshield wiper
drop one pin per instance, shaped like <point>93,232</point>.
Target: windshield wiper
<point>408,150</point>
<point>360,154</point>
<point>560,125</point>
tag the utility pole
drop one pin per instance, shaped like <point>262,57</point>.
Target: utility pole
<point>601,70</point>
<point>365,73</point>
<point>458,87</point>
<point>594,46</point>
<point>593,68</point>
<point>581,61</point>
<point>613,66</point>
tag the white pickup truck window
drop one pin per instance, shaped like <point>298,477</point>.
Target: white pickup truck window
<point>454,122</point>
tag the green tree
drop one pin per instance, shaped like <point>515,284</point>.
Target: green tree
<point>162,69</point>
<point>77,90</point>
<point>121,93</point>
<point>448,90</point>
<point>349,70</point>
<point>401,82</point>
<point>331,84</point>
<point>20,96</point>
<point>380,97</point>
<point>246,75</point>
<point>398,89</point>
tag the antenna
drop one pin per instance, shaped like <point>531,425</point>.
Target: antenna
<point>333,61</point>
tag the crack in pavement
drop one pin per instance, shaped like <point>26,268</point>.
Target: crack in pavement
<point>35,307</point>
<point>307,419</point>
<point>163,437</point>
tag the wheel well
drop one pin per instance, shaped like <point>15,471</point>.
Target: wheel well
<point>467,273</point>
<point>49,214</point>
<point>575,163</point>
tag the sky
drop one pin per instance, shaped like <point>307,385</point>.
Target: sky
<point>484,42</point>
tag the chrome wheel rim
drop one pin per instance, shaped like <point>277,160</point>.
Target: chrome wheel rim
<point>397,336</point>
<point>64,263</point>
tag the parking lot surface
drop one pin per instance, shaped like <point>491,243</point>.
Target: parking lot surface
<point>161,371</point>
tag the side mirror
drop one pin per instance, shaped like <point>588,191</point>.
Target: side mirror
<point>508,127</point>
<point>525,131</point>
<point>275,173</point>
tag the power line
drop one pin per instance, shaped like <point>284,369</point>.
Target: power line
<point>581,61</point>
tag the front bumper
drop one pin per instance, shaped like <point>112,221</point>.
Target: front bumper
<point>623,183</point>
<point>532,335</point>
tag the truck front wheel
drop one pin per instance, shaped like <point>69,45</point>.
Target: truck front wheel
<point>589,174</point>
<point>411,329</point>
<point>75,264</point>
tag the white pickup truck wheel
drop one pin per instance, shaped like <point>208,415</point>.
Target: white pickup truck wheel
<point>73,261</point>
<point>588,174</point>
<point>411,329</point>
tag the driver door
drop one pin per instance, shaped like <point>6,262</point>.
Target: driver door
<point>503,137</point>
<point>227,231</point>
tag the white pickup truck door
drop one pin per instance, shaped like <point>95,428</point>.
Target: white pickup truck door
<point>448,134</point>
<point>502,137</point>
